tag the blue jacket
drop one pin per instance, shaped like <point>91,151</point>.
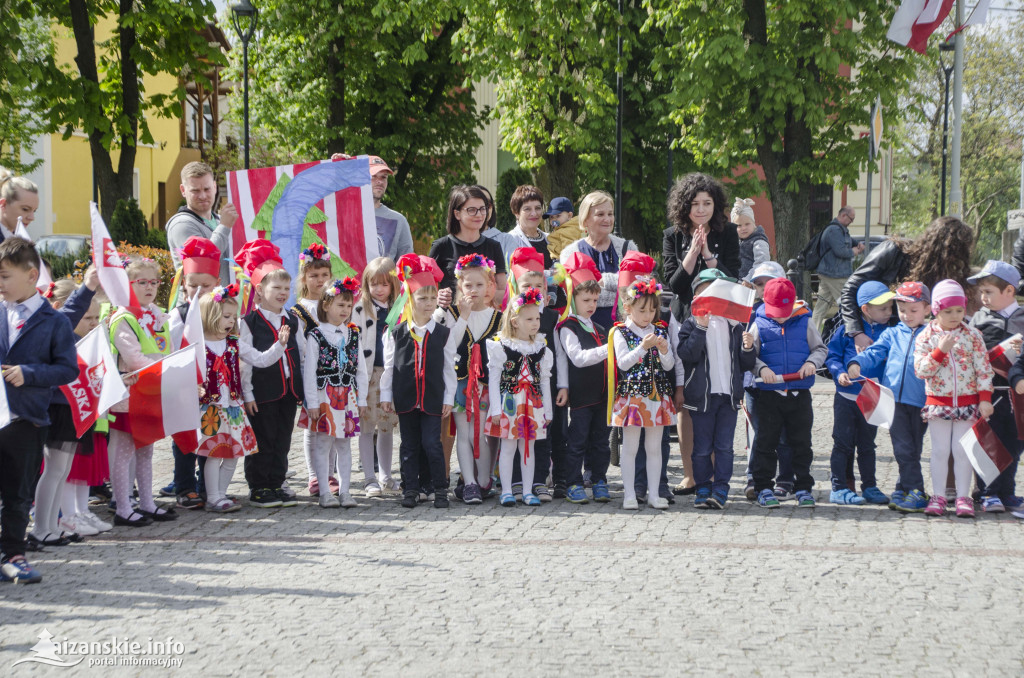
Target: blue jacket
<point>842,349</point>
<point>893,353</point>
<point>836,251</point>
<point>74,309</point>
<point>45,350</point>
<point>785,348</point>
<point>692,350</point>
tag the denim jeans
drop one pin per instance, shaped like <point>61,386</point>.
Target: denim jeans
<point>785,478</point>
<point>713,432</point>
<point>1005,427</point>
<point>851,434</point>
<point>790,414</point>
<point>907,435</point>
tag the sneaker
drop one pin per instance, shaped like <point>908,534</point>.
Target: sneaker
<point>914,502</point>
<point>659,503</point>
<point>507,499</point>
<point>749,492</point>
<point>896,498</point>
<point>264,498</point>
<point>391,486</point>
<point>701,500</point>
<point>1012,501</point>
<point>559,492</point>
<point>71,525</point>
<point>16,569</point>
<point>96,521</point>
<point>542,492</point>
<point>576,495</point>
<point>441,499</point>
<point>460,488</point>
<point>964,507</point>
<point>314,487</point>
<point>767,499</point>
<point>783,493</point>
<point>844,497</point>
<point>517,490</point>
<point>373,490</point>
<point>471,494</point>
<point>600,492</point>
<point>225,505</point>
<point>992,505</point>
<point>531,500</point>
<point>189,501</point>
<point>717,500</point>
<point>630,504</point>
<point>334,485</point>
<point>328,500</point>
<point>408,501</point>
<point>287,497</point>
<point>873,495</point>
<point>804,499</point>
<point>347,501</point>
<point>100,494</point>
<point>936,506</point>
<point>169,490</point>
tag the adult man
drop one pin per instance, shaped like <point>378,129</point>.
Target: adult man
<point>394,238</point>
<point>837,253</point>
<point>198,218</point>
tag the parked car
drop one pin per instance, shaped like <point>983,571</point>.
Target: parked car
<point>61,245</point>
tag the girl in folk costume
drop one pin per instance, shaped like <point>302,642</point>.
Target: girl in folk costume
<point>335,380</point>
<point>224,431</point>
<point>474,320</point>
<point>314,274</point>
<point>379,292</point>
<point>641,400</point>
<point>519,367</point>
<point>140,337</point>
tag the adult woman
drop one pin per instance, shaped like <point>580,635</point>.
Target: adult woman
<point>468,209</point>
<point>597,218</point>
<point>19,197</point>
<point>942,252</point>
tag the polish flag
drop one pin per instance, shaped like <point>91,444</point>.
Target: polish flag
<point>44,279</point>
<point>98,386</point>
<point>165,401</point>
<point>725,299</point>
<point>987,454</point>
<point>877,403</point>
<point>1017,405</point>
<point>108,264</point>
<point>1003,356</point>
<point>916,20</point>
<point>193,335</point>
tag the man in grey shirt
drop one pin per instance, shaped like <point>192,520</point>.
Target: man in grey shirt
<point>198,218</point>
<point>394,237</point>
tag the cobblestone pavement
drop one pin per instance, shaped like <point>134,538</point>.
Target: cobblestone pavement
<point>530,591</point>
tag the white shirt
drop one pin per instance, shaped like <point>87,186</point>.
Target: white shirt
<point>476,324</point>
<point>719,359</point>
<point>1009,310</point>
<point>568,348</point>
<point>626,359</point>
<point>247,352</point>
<point>18,314</point>
<point>450,349</point>
<point>496,358</point>
<point>337,337</point>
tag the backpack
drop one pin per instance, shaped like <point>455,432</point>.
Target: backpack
<point>812,251</point>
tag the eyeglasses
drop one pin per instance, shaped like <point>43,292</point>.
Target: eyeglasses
<point>473,211</point>
<point>144,282</point>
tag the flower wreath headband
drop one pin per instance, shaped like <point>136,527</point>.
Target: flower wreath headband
<point>473,261</point>
<point>347,283</point>
<point>219,294</point>
<point>315,252</point>
<point>644,286</point>
<point>530,296</point>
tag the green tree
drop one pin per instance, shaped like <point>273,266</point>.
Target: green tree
<point>768,83</point>
<point>22,120</point>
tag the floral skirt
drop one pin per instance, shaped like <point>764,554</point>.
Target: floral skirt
<point>460,397</point>
<point>521,418</point>
<point>376,418</point>
<point>224,433</point>
<point>341,416</point>
<point>642,411</point>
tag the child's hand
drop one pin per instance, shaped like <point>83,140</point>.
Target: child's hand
<point>129,379</point>
<point>649,342</point>
<point>496,421</point>
<point>844,380</point>
<point>862,341</point>
<point>662,345</point>
<point>946,343</point>
<point>250,408</point>
<point>748,341</point>
<point>563,396</point>
<point>283,334</point>
<point>445,410</point>
<point>769,377</point>
<point>465,306</point>
<point>444,297</point>
<point>386,405</point>
<point>91,279</point>
<point>806,370</point>
<point>701,320</point>
<point>985,409</point>
<point>1019,388</point>
<point>362,412</point>
<point>13,375</point>
<point>202,390</point>
<point>678,400</point>
<point>1016,342</point>
<point>853,371</point>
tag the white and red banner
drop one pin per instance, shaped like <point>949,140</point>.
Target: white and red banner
<point>725,299</point>
<point>98,386</point>
<point>108,263</point>
<point>877,403</point>
<point>916,20</point>
<point>165,400</point>
<point>193,336</point>
<point>1003,355</point>
<point>988,456</point>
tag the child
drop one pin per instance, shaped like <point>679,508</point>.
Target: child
<point>952,360</point>
<point>999,319</point>
<point>273,393</point>
<point>582,382</point>
<point>787,345</point>
<point>224,433</point>
<point>379,292</point>
<point>519,366</point>
<point>139,337</point>
<point>642,399</point>
<point>753,241</point>
<point>314,274</point>
<point>419,379</point>
<point>892,354</point>
<point>851,433</point>
<point>716,353</point>
<point>473,321</point>
<point>334,377</point>
<point>37,352</point>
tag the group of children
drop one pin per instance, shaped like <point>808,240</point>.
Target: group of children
<point>354,358</point>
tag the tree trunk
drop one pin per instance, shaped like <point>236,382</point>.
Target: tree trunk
<point>557,176</point>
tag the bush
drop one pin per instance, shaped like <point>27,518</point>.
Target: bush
<point>163,258</point>
<point>67,265</point>
<point>128,223</point>
<point>157,238</point>
<point>510,180</point>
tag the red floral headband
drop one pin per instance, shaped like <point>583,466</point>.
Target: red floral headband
<point>347,283</point>
<point>219,294</point>
<point>530,296</point>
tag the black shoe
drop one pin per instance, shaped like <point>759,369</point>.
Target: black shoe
<point>441,499</point>
<point>459,489</point>
<point>287,497</point>
<point>190,500</point>
<point>142,521</point>
<point>559,492</point>
<point>162,514</point>
<point>679,490</point>
<point>410,501</point>
<point>265,498</point>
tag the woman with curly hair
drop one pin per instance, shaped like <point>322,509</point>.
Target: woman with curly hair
<point>942,252</point>
<point>700,237</point>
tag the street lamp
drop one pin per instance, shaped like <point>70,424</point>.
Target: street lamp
<point>240,9</point>
<point>948,71</point>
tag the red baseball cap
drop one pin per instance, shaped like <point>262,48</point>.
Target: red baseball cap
<point>779,298</point>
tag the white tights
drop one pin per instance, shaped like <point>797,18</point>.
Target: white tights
<point>217,473</point>
<point>385,453</point>
<point>122,447</point>
<point>307,448</point>
<point>48,491</point>
<point>473,470</point>
<point>506,461</point>
<point>323,448</point>
<point>945,440</point>
<point>74,498</point>
<point>652,446</point>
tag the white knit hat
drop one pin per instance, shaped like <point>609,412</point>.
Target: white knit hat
<point>743,207</point>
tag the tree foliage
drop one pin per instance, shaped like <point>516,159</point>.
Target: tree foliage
<point>22,119</point>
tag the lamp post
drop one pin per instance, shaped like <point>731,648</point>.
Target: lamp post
<point>241,9</point>
<point>948,71</point>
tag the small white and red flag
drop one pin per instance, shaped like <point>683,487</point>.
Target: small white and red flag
<point>165,401</point>
<point>916,20</point>
<point>108,265</point>
<point>1003,355</point>
<point>193,335</point>
<point>877,403</point>
<point>98,386</point>
<point>988,456</point>
<point>725,299</point>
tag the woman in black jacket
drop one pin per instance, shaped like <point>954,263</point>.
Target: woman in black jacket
<point>700,237</point>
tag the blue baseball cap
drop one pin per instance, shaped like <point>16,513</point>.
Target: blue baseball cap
<point>999,269</point>
<point>557,206</point>
<point>874,292</point>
